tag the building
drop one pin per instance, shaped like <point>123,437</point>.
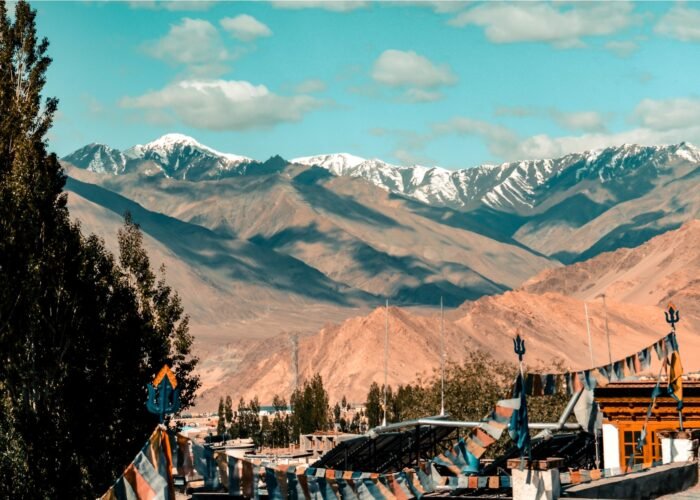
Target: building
<point>624,406</point>
<point>321,442</point>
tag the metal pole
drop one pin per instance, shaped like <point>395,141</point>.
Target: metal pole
<point>442,358</point>
<point>386,355</point>
<point>607,331</point>
<point>590,351</point>
<point>588,328</point>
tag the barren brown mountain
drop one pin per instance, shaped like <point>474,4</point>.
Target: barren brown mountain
<point>548,311</point>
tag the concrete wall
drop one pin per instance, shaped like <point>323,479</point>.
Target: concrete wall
<point>611,446</point>
<point>658,481</point>
<point>535,484</point>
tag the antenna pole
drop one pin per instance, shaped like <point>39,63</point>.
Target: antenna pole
<point>295,359</point>
<point>590,350</point>
<point>386,355</point>
<point>588,328</point>
<point>607,330</point>
<point>442,358</point>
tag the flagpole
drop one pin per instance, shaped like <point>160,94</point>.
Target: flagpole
<point>672,317</point>
<point>386,355</point>
<point>590,351</point>
<point>442,358</point>
<point>588,328</point>
<point>607,330</point>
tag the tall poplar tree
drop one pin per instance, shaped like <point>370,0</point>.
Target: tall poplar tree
<point>80,334</point>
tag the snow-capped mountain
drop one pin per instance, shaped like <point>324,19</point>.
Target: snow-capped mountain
<point>98,158</point>
<point>174,155</point>
<point>513,187</point>
<point>184,158</point>
<point>508,186</point>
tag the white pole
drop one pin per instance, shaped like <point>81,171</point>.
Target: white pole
<point>386,355</point>
<point>590,350</point>
<point>607,331</point>
<point>588,328</point>
<point>442,358</point>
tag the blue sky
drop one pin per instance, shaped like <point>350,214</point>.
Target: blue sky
<point>450,84</point>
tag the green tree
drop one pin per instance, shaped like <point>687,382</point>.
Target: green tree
<point>243,420</point>
<point>79,330</point>
<point>310,407</point>
<point>336,413</point>
<point>253,421</point>
<point>280,423</point>
<point>14,468</point>
<point>221,422</point>
<point>373,405</point>
<point>228,410</point>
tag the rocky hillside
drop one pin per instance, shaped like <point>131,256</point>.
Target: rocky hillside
<point>548,312</point>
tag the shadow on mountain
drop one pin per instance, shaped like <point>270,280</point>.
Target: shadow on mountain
<point>575,211</point>
<point>291,235</point>
<point>236,258</point>
<point>370,261</point>
<point>312,175</point>
<point>272,165</point>
<point>344,206</point>
<point>630,235</point>
<point>494,224</point>
<point>452,295</point>
<point>689,176</point>
<point>639,173</point>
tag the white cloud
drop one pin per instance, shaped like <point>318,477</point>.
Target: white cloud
<point>545,146</point>
<point>172,5</point>
<point>311,86</point>
<point>397,68</point>
<point>680,22</point>
<point>223,104</point>
<point>668,114</point>
<point>331,5</point>
<point>500,140</point>
<point>586,121</point>
<point>194,43</point>
<point>517,111</point>
<point>245,28</point>
<point>622,48</point>
<point>653,122</point>
<point>668,121</point>
<point>422,95</point>
<point>438,6</point>
<point>561,25</point>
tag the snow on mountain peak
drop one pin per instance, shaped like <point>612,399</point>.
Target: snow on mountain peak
<point>98,158</point>
<point>337,163</point>
<point>166,144</point>
<point>508,186</point>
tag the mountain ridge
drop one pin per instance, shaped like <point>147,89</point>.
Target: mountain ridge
<point>509,186</point>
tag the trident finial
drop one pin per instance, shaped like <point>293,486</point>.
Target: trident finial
<point>163,394</point>
<point>672,316</point>
<point>519,346</point>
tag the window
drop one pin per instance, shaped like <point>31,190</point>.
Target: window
<point>630,439</point>
<point>650,452</point>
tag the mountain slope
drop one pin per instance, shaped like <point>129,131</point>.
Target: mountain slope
<point>548,311</point>
<point>357,235</point>
<point>569,208</point>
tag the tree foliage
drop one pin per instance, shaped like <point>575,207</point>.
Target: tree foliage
<point>81,333</point>
<point>472,389</point>
<point>310,408</point>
